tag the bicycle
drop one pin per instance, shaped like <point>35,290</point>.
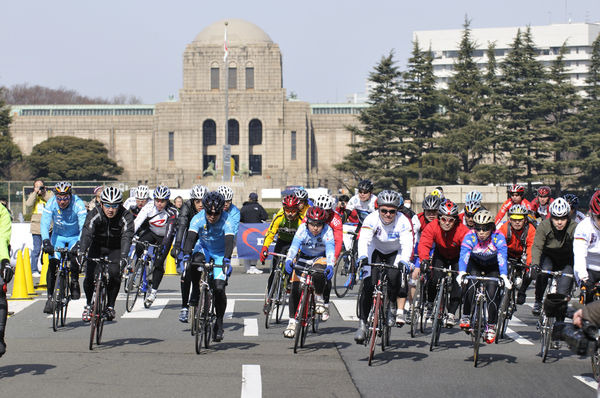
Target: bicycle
<point>345,270</point>
<point>204,315</point>
<point>141,275</point>
<point>61,294</point>
<point>440,312</point>
<point>478,312</point>
<point>306,312</point>
<point>508,305</point>
<point>417,306</point>
<point>377,322</point>
<point>277,295</point>
<point>552,304</point>
<point>99,300</point>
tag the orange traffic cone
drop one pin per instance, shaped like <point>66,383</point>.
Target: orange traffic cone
<point>19,291</point>
<point>27,269</point>
<point>42,283</point>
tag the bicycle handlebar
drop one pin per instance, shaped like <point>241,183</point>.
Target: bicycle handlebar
<point>310,269</point>
<point>445,269</point>
<point>136,240</point>
<point>277,254</point>
<point>555,273</point>
<point>483,278</point>
<point>384,265</point>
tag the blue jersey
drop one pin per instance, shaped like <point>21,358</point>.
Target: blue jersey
<point>489,253</point>
<point>211,237</point>
<point>234,217</point>
<point>65,222</point>
<point>313,246</point>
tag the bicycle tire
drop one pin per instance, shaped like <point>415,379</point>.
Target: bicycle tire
<point>373,326</point>
<point>65,303</point>
<point>269,299</point>
<point>502,315</point>
<point>56,300</point>
<point>424,298</point>
<point>438,314</point>
<point>314,317</point>
<point>309,316</point>
<point>134,285</point>
<point>199,320</point>
<point>414,309</point>
<point>211,318</point>
<point>281,302</point>
<point>192,317</point>
<point>299,320</point>
<point>149,268</point>
<point>383,321</point>
<point>478,331</point>
<point>595,358</point>
<point>102,318</point>
<point>341,274</point>
<point>94,315</point>
<point>358,298</point>
<point>547,328</point>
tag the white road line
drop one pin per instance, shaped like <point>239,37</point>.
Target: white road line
<point>589,381</point>
<point>139,311</point>
<point>75,309</point>
<point>347,309</point>
<point>517,338</point>
<point>250,327</point>
<point>230,308</point>
<point>284,317</point>
<point>17,306</point>
<point>514,321</point>
<point>251,381</point>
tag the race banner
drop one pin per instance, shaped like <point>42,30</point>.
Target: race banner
<point>250,239</point>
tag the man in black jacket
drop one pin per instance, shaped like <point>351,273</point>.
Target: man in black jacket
<point>107,231</point>
<point>252,212</point>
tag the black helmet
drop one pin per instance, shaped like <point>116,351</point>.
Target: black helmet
<point>432,202</point>
<point>213,202</point>
<point>365,185</point>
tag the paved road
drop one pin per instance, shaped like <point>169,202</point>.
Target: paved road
<point>151,352</point>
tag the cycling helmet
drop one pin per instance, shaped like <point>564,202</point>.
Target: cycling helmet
<point>226,192</point>
<point>516,188</point>
<point>162,192</point>
<point>316,215</point>
<point>473,196</point>
<point>544,191</point>
<point>438,193</point>
<point>595,203</point>
<point>389,198</point>
<point>572,199</point>
<point>301,194</point>
<point>63,188</point>
<point>291,201</point>
<point>431,202</point>
<point>111,195</point>
<point>472,206</point>
<point>483,217</point>
<point>518,212</point>
<point>325,202</point>
<point>198,192</point>
<point>365,185</point>
<point>142,192</point>
<point>449,208</point>
<point>213,202</point>
<point>560,208</point>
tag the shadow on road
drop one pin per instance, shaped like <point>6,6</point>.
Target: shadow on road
<point>129,341</point>
<point>233,345</point>
<point>28,368</point>
<point>382,358</point>
<point>323,345</point>
<point>336,330</point>
<point>488,359</point>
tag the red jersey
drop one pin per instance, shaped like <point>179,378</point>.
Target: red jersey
<point>539,210</point>
<point>422,220</point>
<point>447,243</point>
<point>516,241</point>
<point>506,205</point>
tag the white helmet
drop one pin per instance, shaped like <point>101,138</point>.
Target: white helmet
<point>111,195</point>
<point>559,208</point>
<point>226,192</point>
<point>142,192</point>
<point>325,202</point>
<point>198,191</point>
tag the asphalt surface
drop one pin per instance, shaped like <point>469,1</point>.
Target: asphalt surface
<point>151,352</point>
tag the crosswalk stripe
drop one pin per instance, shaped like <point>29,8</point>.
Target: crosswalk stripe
<point>347,309</point>
<point>514,321</point>
<point>517,338</point>
<point>17,306</point>
<point>251,381</point>
<point>139,311</point>
<point>250,327</point>
<point>75,309</point>
<point>284,317</point>
<point>230,308</point>
<point>589,381</point>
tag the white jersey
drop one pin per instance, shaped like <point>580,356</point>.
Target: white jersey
<point>396,236</point>
<point>586,248</point>
<point>579,216</point>
<point>129,203</point>
<point>157,220</point>
<point>362,208</point>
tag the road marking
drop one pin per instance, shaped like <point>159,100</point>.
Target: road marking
<point>251,381</point>
<point>17,306</point>
<point>75,309</point>
<point>230,308</point>
<point>284,317</point>
<point>514,321</point>
<point>250,327</point>
<point>589,381</point>
<point>517,338</point>
<point>347,309</point>
<point>139,311</point>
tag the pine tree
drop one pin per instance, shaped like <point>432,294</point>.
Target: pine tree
<point>9,151</point>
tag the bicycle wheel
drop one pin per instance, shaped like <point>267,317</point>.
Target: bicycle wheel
<point>358,298</point>
<point>502,315</point>
<point>424,298</point>
<point>66,297</point>
<point>192,316</point>
<point>374,326</point>
<point>309,316</point>
<point>102,317</point>
<point>438,315</point>
<point>280,301</point>
<point>314,318</point>
<point>383,321</point>
<point>343,274</point>
<point>94,316</point>
<point>596,364</point>
<point>134,284</point>
<point>210,318</point>
<point>547,332</point>
<point>56,301</point>
<point>300,319</point>
<point>477,330</point>
<point>270,298</point>
<point>415,309</point>
<point>200,327</point>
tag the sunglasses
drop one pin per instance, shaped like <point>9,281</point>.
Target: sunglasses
<point>110,206</point>
<point>62,198</point>
<point>213,213</point>
<point>386,211</point>
<point>363,191</point>
<point>483,228</point>
<point>447,220</point>
<point>291,209</point>
<point>470,215</point>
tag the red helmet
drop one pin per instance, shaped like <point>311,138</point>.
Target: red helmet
<point>544,191</point>
<point>291,201</point>
<point>516,188</point>
<point>316,215</point>
<point>595,203</point>
<point>449,208</point>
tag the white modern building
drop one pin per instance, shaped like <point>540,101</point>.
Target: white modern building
<point>548,40</point>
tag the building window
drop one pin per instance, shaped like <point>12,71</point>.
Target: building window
<point>214,78</point>
<point>233,78</point>
<point>209,132</point>
<point>207,160</point>
<point>249,77</point>
<point>293,146</point>
<point>233,137</point>
<point>235,160</point>
<point>171,145</point>
<point>256,165</point>
<point>255,132</point>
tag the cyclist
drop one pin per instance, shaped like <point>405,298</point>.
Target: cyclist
<point>155,223</point>
<point>516,196</point>
<point>341,208</point>
<point>107,231</point>
<point>135,203</point>
<point>431,206</point>
<point>385,237</point>
<point>472,206</point>
<point>211,236</point>
<point>573,201</point>
<point>284,225</point>
<point>305,201</point>
<point>6,271</point>
<point>519,234</point>
<point>586,248</point>
<point>229,207</point>
<point>66,213</point>
<point>363,203</point>
<point>188,210</point>
<point>540,204</point>
<point>444,236</point>
<point>312,239</point>
<point>483,253</point>
<point>553,250</point>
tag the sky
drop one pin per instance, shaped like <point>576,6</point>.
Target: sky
<point>135,47</point>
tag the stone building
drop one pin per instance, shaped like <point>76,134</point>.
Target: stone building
<point>279,141</point>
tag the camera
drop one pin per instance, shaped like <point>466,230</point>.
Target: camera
<point>581,341</point>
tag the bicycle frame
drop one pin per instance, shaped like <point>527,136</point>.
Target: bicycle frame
<point>204,314</point>
<point>305,312</point>
<point>444,287</point>
<point>277,293</point>
<point>377,320</point>
<point>61,296</point>
<point>99,300</point>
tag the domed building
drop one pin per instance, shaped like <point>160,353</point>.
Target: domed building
<point>274,141</point>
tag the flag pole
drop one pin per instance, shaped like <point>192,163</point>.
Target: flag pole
<point>226,147</point>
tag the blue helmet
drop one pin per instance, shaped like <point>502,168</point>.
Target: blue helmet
<point>473,196</point>
<point>162,192</point>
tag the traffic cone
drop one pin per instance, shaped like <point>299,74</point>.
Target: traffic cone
<point>27,269</point>
<point>42,283</point>
<point>19,291</point>
<point>170,266</point>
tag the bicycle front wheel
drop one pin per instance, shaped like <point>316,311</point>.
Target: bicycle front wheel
<point>134,284</point>
<point>415,310</point>
<point>270,298</point>
<point>596,364</point>
<point>300,319</point>
<point>280,301</point>
<point>374,326</point>
<point>57,301</point>
<point>209,319</point>
<point>102,317</point>
<point>477,331</point>
<point>438,316</point>
<point>502,315</point>
<point>199,326</point>
<point>546,338</point>
<point>343,274</point>
<point>66,297</point>
<point>94,316</point>
<point>383,321</point>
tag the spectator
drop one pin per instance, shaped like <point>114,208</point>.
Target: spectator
<point>341,208</point>
<point>96,199</point>
<point>36,201</point>
<point>252,212</point>
<point>178,202</point>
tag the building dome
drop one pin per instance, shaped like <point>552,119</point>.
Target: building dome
<point>239,32</point>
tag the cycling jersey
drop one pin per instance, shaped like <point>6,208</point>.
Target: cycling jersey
<point>519,241</point>
<point>99,231</point>
<point>359,210</point>
<point>284,228</point>
<point>66,222</point>
<point>422,220</point>
<point>578,216</point>
<point>211,237</point>
<point>447,243</point>
<point>507,205</point>
<point>160,222</point>
<point>557,245</point>
<point>396,236</point>
<point>234,217</point>
<point>487,254</point>
<point>335,223</point>
<point>539,210</point>
<point>129,203</point>
<point>312,246</point>
<point>586,248</point>
<point>186,213</point>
